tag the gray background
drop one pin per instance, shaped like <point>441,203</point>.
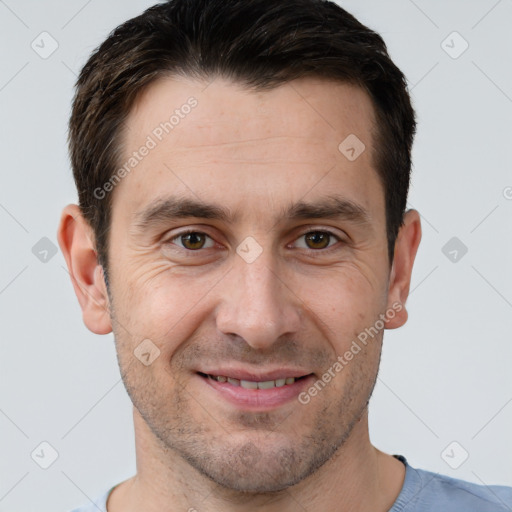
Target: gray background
<point>445,376</point>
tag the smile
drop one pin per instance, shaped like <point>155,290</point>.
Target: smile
<point>255,395</point>
<point>249,384</point>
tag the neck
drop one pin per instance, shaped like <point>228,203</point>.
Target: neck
<point>358,477</point>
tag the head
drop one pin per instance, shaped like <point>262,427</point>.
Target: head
<point>242,171</point>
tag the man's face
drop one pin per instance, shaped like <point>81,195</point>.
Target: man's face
<point>263,295</point>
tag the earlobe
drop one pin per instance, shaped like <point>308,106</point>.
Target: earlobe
<point>406,247</point>
<point>76,242</point>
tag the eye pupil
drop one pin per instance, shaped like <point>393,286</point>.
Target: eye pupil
<point>318,237</point>
<point>192,239</point>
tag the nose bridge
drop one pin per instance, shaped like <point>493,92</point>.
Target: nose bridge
<point>256,304</point>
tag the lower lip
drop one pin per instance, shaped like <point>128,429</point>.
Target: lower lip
<point>258,399</point>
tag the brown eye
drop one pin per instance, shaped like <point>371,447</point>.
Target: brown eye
<point>192,240</point>
<point>317,239</point>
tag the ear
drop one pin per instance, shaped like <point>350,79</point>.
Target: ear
<point>77,244</point>
<point>406,246</point>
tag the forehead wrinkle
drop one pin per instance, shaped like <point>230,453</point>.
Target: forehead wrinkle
<point>241,142</point>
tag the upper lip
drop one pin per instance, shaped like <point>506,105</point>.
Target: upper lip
<point>259,376</point>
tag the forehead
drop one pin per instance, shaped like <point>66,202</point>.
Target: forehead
<point>278,143</point>
<point>317,109</point>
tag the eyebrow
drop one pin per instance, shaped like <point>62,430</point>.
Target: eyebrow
<point>174,207</point>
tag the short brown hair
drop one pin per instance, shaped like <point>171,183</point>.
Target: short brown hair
<point>256,43</point>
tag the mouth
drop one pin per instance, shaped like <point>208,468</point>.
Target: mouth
<point>255,393</point>
<point>254,384</point>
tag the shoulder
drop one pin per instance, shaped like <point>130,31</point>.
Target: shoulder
<point>463,495</point>
<point>98,505</point>
<point>425,490</point>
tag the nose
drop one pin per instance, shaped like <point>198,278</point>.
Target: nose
<point>257,304</point>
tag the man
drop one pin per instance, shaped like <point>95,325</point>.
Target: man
<point>242,170</point>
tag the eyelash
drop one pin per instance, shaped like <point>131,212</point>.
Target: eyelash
<point>316,251</point>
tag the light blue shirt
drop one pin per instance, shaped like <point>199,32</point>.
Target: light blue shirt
<point>423,491</point>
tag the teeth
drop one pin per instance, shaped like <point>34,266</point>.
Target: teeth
<point>266,385</point>
<point>249,384</point>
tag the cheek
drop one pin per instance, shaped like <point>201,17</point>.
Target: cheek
<point>346,301</point>
<point>165,305</point>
